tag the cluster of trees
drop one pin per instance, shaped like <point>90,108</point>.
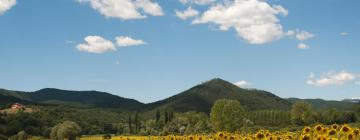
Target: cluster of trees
<point>226,115</point>
<point>303,114</point>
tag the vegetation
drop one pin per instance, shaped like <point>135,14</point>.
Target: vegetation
<point>318,132</point>
<point>227,115</point>
<point>214,106</point>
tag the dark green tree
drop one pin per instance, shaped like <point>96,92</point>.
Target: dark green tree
<point>227,115</point>
<point>302,113</point>
<point>66,130</point>
<point>157,115</point>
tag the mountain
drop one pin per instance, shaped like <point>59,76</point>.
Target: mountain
<point>9,100</point>
<point>202,97</point>
<point>198,98</point>
<point>74,98</point>
<point>320,104</point>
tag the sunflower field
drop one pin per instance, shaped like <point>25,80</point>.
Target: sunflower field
<point>318,132</point>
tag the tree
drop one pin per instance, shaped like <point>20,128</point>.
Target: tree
<point>66,130</point>
<point>130,124</point>
<point>2,129</point>
<point>227,115</point>
<point>302,113</point>
<point>157,115</point>
<point>20,136</point>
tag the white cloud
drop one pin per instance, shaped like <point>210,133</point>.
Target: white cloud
<point>125,41</point>
<point>149,7</point>
<point>303,46</point>
<point>96,44</point>
<point>344,33</point>
<point>188,13</point>
<point>125,9</point>
<point>6,5</point>
<point>303,35</point>
<point>199,2</point>
<point>254,20</point>
<point>331,78</point>
<point>242,83</point>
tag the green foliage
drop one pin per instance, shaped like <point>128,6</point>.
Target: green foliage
<point>20,136</point>
<point>302,113</point>
<point>227,115</point>
<point>321,105</point>
<point>269,117</point>
<point>66,130</point>
<point>201,98</point>
<point>84,99</point>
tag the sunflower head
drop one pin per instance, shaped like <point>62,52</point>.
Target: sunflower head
<point>331,132</point>
<point>306,130</point>
<point>318,128</point>
<point>345,129</point>
<point>321,137</point>
<point>350,136</point>
<point>335,126</point>
<point>356,132</point>
<point>259,135</point>
<point>305,137</point>
<point>220,135</point>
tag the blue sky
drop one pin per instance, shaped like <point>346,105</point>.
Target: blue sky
<point>148,51</point>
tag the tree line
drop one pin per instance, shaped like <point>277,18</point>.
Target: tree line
<point>226,115</point>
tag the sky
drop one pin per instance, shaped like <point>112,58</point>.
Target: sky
<point>152,49</point>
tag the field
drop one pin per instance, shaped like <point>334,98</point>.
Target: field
<point>318,132</point>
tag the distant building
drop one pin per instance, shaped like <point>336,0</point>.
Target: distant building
<point>17,106</point>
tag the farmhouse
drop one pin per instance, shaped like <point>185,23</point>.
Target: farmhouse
<point>17,106</point>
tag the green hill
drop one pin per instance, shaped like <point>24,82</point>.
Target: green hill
<point>198,98</point>
<point>203,96</point>
<point>320,104</point>
<point>74,98</point>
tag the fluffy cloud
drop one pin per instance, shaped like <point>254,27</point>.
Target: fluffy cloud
<point>254,20</point>
<point>303,35</point>
<point>6,5</point>
<point>188,13</point>
<point>149,7</point>
<point>331,78</point>
<point>125,9</point>
<point>124,41</point>
<point>300,34</point>
<point>199,2</point>
<point>96,44</point>
<point>303,46</point>
<point>242,83</point>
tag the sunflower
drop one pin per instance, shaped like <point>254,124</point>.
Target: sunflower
<point>321,137</point>
<point>318,128</point>
<point>335,126</point>
<point>331,132</point>
<point>289,137</point>
<point>259,135</point>
<point>220,135</point>
<point>345,129</point>
<point>306,130</point>
<point>356,132</point>
<point>350,137</point>
<point>305,137</point>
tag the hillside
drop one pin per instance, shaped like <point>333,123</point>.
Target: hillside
<point>320,104</point>
<point>198,98</point>
<point>74,98</point>
<point>202,97</point>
